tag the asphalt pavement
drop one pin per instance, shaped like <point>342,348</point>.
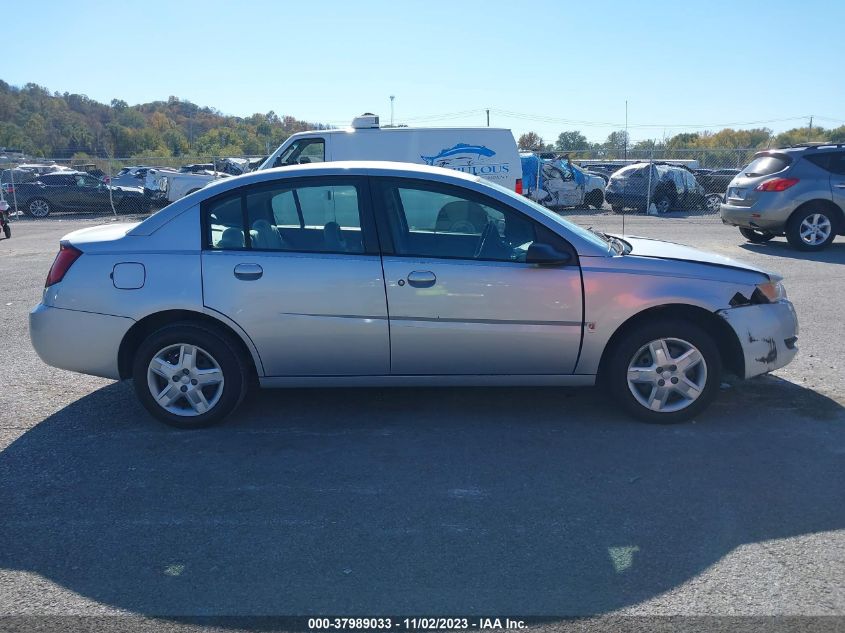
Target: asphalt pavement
<point>541,502</point>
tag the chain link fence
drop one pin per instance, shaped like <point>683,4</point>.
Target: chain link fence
<point>116,187</point>
<point>676,183</point>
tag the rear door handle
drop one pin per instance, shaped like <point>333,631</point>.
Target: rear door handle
<point>842,186</point>
<point>248,272</point>
<point>422,279</point>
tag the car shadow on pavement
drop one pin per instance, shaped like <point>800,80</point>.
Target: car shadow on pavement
<point>833,254</point>
<point>418,501</point>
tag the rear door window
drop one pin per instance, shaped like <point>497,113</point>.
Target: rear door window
<point>833,162</point>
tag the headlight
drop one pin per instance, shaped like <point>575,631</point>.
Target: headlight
<point>772,291</point>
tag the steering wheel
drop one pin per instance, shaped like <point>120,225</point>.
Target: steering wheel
<point>485,234</point>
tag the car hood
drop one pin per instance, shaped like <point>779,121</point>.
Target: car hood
<point>646,247</point>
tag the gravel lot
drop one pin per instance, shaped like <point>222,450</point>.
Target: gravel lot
<point>422,501</point>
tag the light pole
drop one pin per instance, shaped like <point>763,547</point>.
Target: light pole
<point>392,97</point>
<point>12,183</point>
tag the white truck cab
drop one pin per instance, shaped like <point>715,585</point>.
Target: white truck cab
<point>483,151</point>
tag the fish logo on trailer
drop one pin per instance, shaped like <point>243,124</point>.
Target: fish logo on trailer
<point>471,159</point>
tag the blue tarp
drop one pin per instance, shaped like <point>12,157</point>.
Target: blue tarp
<point>531,163</point>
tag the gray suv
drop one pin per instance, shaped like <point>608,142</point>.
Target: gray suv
<point>798,192</point>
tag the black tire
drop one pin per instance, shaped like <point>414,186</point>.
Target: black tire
<point>618,208</point>
<point>219,346</point>
<point>7,231</point>
<point>43,206</point>
<point>625,350</point>
<point>594,199</point>
<point>758,236</point>
<point>663,203</point>
<point>793,227</point>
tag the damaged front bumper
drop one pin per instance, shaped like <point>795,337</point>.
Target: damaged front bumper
<point>768,334</point>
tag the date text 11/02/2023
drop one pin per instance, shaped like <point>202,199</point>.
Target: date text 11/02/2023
<point>414,623</point>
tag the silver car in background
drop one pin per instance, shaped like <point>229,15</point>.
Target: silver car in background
<point>798,192</point>
<point>383,274</point>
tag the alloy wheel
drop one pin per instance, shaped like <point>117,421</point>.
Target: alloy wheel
<point>185,380</point>
<point>667,375</point>
<point>39,208</point>
<point>714,203</point>
<point>815,229</point>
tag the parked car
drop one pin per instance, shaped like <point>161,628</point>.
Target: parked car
<point>672,187</point>
<point>131,176</point>
<point>76,191</point>
<point>715,180</point>
<point>797,191</point>
<point>557,183</point>
<point>482,151</point>
<point>163,186</point>
<point>380,274</point>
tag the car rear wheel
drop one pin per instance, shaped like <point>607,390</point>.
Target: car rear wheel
<point>665,372</point>
<point>7,231</point>
<point>189,376</point>
<point>595,199</point>
<point>713,202</point>
<point>38,208</point>
<point>663,203</point>
<point>811,229</point>
<point>758,236</point>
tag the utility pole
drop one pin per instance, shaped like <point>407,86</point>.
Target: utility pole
<point>626,129</point>
<point>810,129</point>
<point>392,97</point>
<point>488,117</point>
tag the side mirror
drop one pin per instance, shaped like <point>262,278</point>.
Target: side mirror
<point>546,255</point>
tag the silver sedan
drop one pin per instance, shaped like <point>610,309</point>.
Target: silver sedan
<point>381,274</point>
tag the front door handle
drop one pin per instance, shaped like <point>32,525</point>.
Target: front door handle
<point>248,272</point>
<point>422,279</point>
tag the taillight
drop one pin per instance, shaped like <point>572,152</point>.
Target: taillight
<point>777,184</point>
<point>518,187</point>
<point>64,260</point>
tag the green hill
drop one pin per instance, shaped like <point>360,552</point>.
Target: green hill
<point>63,125</point>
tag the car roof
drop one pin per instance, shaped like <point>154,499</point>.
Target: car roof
<point>339,168</point>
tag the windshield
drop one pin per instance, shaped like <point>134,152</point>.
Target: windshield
<point>581,232</point>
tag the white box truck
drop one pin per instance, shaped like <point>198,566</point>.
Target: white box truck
<point>484,151</point>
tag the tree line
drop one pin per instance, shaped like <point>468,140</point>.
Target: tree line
<point>54,125</point>
<point>715,148</point>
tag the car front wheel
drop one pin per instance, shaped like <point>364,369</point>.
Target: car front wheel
<point>38,208</point>
<point>189,376</point>
<point>665,372</point>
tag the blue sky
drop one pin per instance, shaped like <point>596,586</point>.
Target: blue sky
<point>679,64</point>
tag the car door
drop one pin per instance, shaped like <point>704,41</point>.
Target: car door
<point>56,189</point>
<point>304,281</point>
<point>461,298</point>
<point>82,194</point>
<point>836,166</point>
